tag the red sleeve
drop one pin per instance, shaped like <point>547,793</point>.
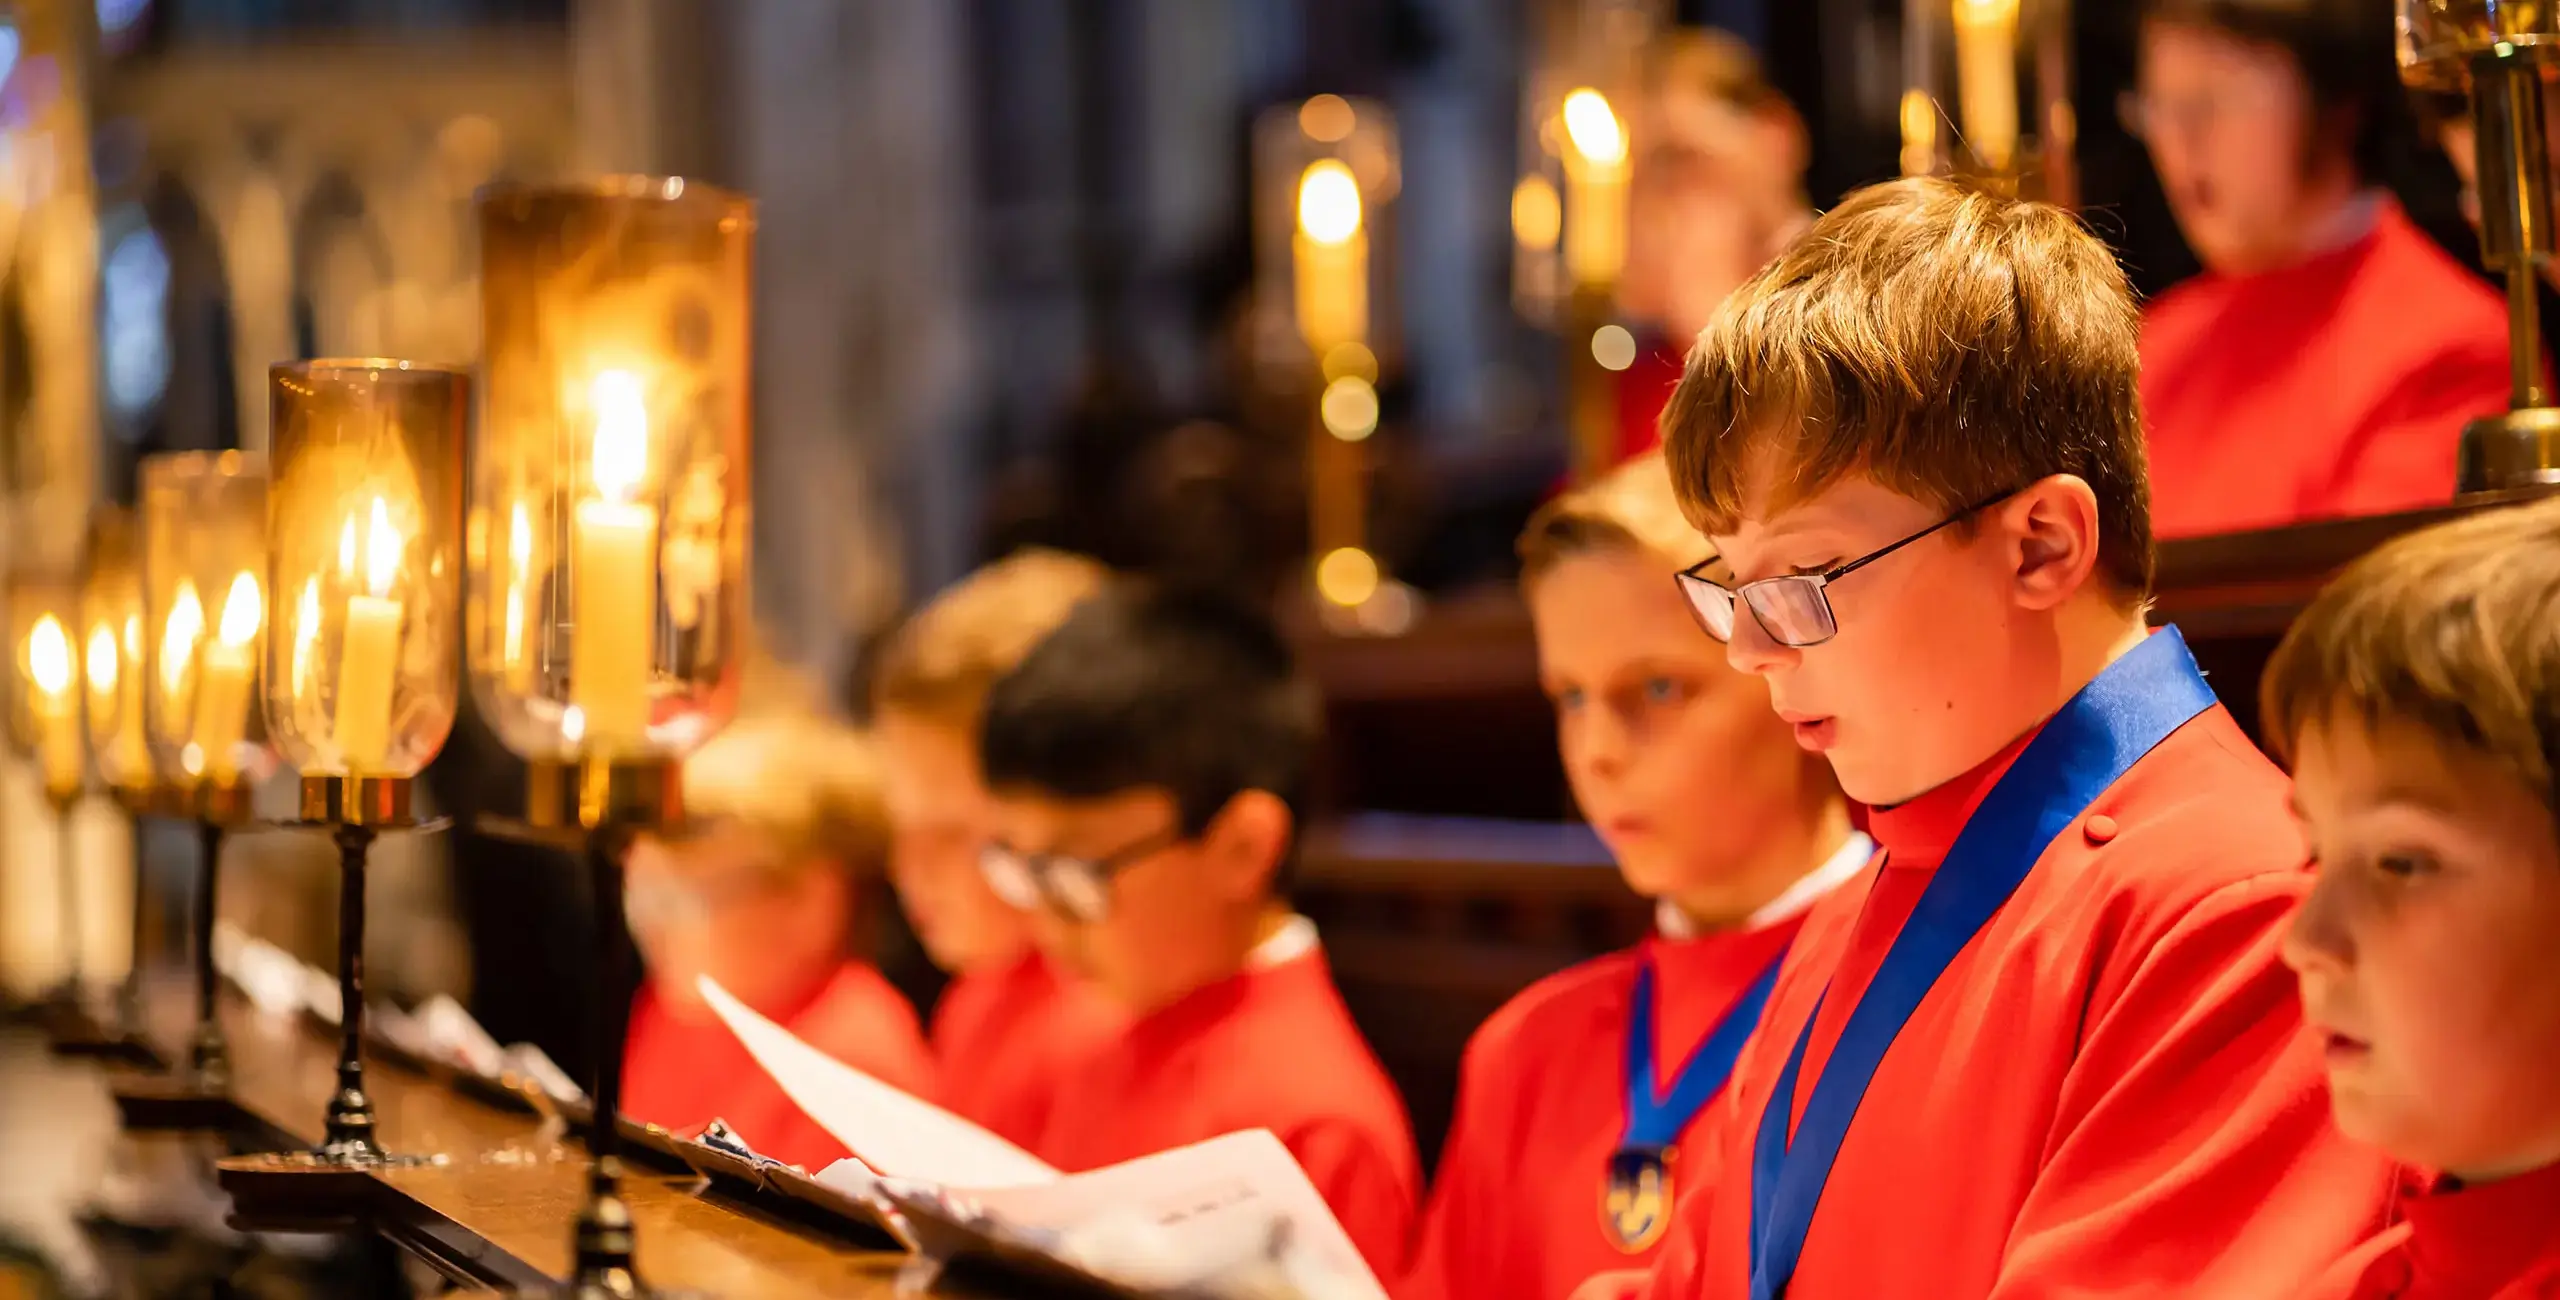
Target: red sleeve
<point>1460,1252</point>
<point>1366,1187</point>
<point>2191,1152</point>
<point>2404,457</point>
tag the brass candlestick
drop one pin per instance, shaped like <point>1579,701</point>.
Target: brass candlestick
<point>608,528</point>
<point>203,621</point>
<point>2498,54</point>
<point>355,811</point>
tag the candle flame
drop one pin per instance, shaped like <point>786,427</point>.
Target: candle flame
<point>622,434</point>
<point>1593,127</point>
<point>519,538</point>
<point>49,656</point>
<point>381,550</point>
<point>102,661</point>
<point>242,611</point>
<point>1328,202</point>
<point>133,637</point>
<point>178,640</point>
<point>1985,10</point>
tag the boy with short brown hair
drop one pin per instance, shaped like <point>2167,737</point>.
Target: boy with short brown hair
<point>761,892</point>
<point>1008,1016</point>
<point>2418,703</point>
<point>1584,1102</point>
<point>2049,1049</point>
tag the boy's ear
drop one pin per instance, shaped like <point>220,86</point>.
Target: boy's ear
<point>1246,842</point>
<point>2052,532</point>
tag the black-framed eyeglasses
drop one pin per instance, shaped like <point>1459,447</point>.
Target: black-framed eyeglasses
<point>1793,608</point>
<point>1078,889</point>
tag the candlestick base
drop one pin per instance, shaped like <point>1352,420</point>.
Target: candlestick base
<point>2517,449</point>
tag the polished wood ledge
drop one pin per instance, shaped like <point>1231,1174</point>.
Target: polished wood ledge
<point>495,1211</point>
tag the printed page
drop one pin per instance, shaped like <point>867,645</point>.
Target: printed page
<point>897,1134</point>
<point>1183,1215</point>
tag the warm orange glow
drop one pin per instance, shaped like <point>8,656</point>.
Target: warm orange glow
<point>1348,576</point>
<point>1328,202</point>
<point>622,434</point>
<point>1327,118</point>
<point>103,664</point>
<point>242,611</point>
<point>49,658</point>
<point>381,551</point>
<point>1593,127</point>
<point>1537,215</point>
<point>178,641</point>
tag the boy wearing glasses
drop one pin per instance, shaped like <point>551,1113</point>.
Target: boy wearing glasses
<point>1009,1017</point>
<point>2049,1048</point>
<point>1584,1102</point>
<point>1146,760</point>
<point>2418,701</point>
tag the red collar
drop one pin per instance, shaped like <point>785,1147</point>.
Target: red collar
<point>2474,1240</point>
<point>1917,832</point>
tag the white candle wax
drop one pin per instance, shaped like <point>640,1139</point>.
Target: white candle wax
<point>222,708</point>
<point>57,720</point>
<point>1987,78</point>
<point>615,566</point>
<point>368,666</point>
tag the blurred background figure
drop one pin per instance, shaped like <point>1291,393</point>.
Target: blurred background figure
<point>1718,189</point>
<point>2326,360</point>
<point>762,893</point>
<point>1009,1016</point>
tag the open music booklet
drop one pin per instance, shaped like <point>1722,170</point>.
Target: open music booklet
<point>1230,1217</point>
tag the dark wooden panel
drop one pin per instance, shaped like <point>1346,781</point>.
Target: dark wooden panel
<point>501,1204</point>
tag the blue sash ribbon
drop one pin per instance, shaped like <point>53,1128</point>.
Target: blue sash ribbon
<point>1655,1115</point>
<point>2134,705</point>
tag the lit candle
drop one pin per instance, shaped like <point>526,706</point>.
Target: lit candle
<point>614,563</point>
<point>105,686</point>
<point>178,655</point>
<point>222,688</point>
<point>49,669</point>
<point>1332,258</point>
<point>518,656</point>
<point>1595,194</point>
<point>369,654</point>
<point>1987,78</point>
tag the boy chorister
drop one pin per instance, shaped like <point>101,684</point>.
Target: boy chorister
<point>1009,1020</point>
<point>2049,1050</point>
<point>1579,1099</point>
<point>2418,700</point>
<point>1146,759</point>
<point>760,893</point>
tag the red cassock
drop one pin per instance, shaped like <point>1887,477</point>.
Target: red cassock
<point>681,1075</point>
<point>2337,386</point>
<point>1518,1208</point>
<point>2107,1091</point>
<point>2496,1241</point>
<point>1271,1047</point>
<point>1001,1038</point>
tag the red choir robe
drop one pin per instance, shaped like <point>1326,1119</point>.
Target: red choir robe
<point>1000,1038</point>
<point>2497,1241</point>
<point>2107,1093</point>
<point>1518,1210</point>
<point>681,1075</point>
<point>2337,386</point>
<point>1643,390</point>
<point>1272,1047</point>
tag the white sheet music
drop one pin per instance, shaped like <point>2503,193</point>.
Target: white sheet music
<point>895,1133</point>
<point>1181,1217</point>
